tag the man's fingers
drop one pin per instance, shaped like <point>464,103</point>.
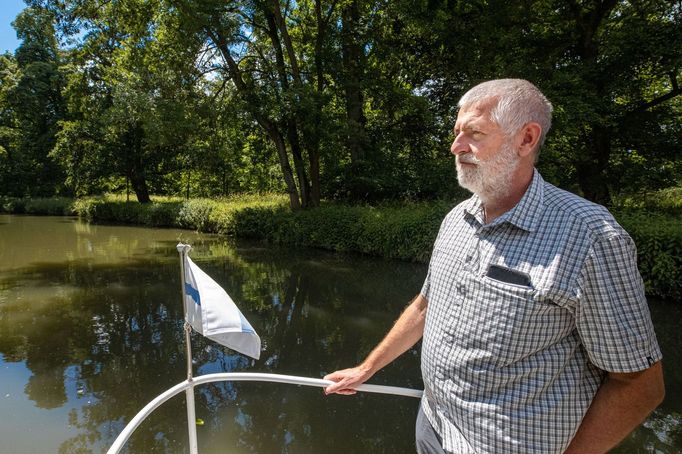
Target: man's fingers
<point>346,381</point>
<point>343,385</point>
<point>347,392</point>
<point>333,376</point>
<point>338,387</point>
<point>340,375</point>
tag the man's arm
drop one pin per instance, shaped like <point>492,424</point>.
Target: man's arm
<point>406,331</point>
<point>622,402</point>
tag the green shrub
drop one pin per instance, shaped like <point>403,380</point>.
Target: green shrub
<point>659,251</point>
<point>257,222</point>
<point>666,201</point>
<point>102,210</point>
<point>163,214</point>
<point>196,214</point>
<point>55,206</point>
<point>86,207</point>
<point>11,205</point>
<point>405,232</point>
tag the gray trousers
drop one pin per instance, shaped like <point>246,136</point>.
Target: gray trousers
<point>426,439</point>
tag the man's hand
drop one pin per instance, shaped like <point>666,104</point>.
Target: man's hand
<point>347,380</point>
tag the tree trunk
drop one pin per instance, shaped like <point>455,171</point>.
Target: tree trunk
<point>280,146</point>
<point>313,142</point>
<point>314,162</point>
<point>139,185</point>
<point>189,177</point>
<point>276,24</point>
<point>134,165</point>
<point>303,183</point>
<point>138,180</point>
<point>353,72</point>
<point>251,98</point>
<point>592,169</point>
<point>592,166</point>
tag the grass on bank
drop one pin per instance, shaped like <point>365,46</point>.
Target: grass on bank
<point>406,231</point>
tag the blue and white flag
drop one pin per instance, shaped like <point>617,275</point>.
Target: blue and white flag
<point>211,312</point>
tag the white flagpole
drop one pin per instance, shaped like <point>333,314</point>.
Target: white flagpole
<point>183,249</point>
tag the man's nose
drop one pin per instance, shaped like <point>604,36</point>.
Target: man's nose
<point>459,146</point>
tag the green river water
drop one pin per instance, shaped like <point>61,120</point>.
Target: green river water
<point>91,330</point>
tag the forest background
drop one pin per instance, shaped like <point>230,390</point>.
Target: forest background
<point>339,100</point>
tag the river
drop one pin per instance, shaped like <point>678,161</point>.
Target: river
<point>91,330</point>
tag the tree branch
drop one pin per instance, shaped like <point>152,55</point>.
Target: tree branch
<point>220,90</point>
<point>288,45</point>
<point>676,91</point>
<point>660,100</point>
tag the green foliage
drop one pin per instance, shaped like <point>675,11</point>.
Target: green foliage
<point>174,98</point>
<point>54,206</point>
<point>659,249</point>
<point>405,232</point>
<point>198,215</point>
<point>204,215</point>
<point>666,201</point>
<point>163,214</point>
<point>102,210</point>
<point>31,108</point>
<point>11,205</point>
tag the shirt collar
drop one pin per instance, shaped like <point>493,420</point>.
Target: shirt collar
<point>525,215</point>
<point>474,208</point>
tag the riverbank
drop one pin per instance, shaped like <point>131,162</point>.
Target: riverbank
<point>405,231</point>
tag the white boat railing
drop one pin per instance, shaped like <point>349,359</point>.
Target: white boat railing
<point>189,384</point>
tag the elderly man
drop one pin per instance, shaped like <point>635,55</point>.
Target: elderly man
<point>536,333</point>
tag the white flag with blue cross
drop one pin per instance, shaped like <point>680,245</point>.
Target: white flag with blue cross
<point>211,312</point>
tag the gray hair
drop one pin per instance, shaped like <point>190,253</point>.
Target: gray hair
<point>518,103</point>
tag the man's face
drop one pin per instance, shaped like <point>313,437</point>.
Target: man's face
<point>486,159</point>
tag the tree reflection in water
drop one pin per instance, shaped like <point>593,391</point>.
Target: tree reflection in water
<point>113,333</point>
<point>118,331</point>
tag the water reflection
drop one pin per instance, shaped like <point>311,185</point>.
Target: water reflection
<point>90,335</point>
<point>100,335</point>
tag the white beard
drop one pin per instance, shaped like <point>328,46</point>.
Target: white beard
<point>490,179</point>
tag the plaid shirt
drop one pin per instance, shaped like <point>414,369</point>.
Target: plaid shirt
<point>525,315</point>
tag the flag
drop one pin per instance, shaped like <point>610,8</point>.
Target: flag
<point>211,312</point>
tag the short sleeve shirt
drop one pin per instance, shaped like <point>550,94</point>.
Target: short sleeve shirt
<point>525,316</point>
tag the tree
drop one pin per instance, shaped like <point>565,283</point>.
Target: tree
<point>355,98</point>
<point>617,52</point>
<point>607,65</point>
<point>265,65</point>
<point>132,91</point>
<point>9,136</point>
<point>37,106</point>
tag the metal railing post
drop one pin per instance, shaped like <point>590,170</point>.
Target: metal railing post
<point>183,249</point>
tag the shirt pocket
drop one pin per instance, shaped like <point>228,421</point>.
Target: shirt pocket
<point>510,322</point>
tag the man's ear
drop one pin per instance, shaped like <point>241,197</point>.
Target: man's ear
<point>528,138</point>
